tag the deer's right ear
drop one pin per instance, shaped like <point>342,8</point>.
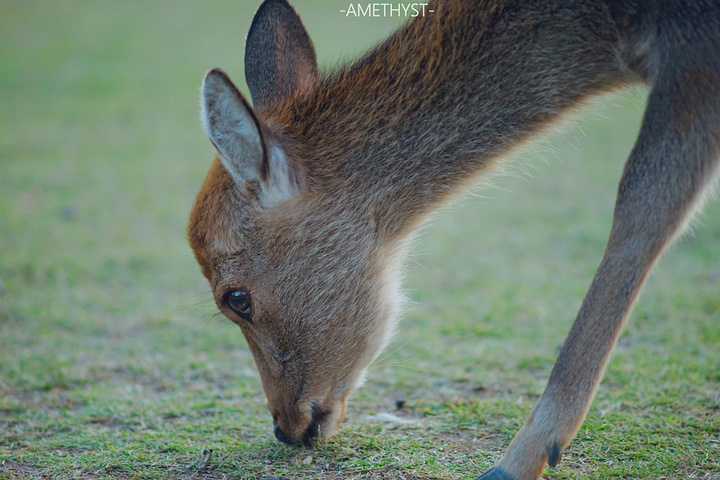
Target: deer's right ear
<point>233,128</point>
<point>279,56</point>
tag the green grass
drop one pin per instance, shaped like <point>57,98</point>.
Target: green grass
<point>113,363</point>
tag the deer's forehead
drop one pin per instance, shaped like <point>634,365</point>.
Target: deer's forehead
<point>222,221</point>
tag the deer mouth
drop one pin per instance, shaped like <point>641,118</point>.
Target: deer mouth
<point>313,431</point>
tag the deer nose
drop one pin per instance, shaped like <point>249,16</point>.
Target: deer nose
<point>280,435</point>
<point>311,432</point>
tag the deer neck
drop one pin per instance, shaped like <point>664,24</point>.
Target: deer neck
<point>399,132</point>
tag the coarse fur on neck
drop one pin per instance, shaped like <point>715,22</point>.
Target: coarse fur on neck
<point>432,107</point>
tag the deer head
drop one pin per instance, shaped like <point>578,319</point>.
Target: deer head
<point>298,263</point>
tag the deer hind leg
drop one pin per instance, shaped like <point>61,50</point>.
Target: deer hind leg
<point>671,168</point>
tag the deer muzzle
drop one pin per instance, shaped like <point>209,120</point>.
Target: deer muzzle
<point>309,425</point>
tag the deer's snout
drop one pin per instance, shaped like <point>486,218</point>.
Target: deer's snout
<point>317,415</point>
<point>280,435</point>
<point>316,422</point>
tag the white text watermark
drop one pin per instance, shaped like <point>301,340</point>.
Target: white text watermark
<point>381,9</point>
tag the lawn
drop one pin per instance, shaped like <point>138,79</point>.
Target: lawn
<point>114,363</point>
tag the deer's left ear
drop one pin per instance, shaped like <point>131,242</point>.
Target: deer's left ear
<point>237,134</point>
<point>279,55</point>
<point>233,128</point>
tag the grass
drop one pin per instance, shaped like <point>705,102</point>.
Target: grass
<point>113,363</point>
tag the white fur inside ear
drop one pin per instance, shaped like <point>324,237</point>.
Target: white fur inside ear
<point>232,127</point>
<point>282,185</point>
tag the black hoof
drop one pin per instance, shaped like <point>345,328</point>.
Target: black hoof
<point>496,473</point>
<point>554,455</point>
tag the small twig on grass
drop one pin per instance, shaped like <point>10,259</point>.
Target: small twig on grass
<point>206,457</point>
<point>194,470</point>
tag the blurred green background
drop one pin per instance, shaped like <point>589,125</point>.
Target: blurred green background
<point>113,363</point>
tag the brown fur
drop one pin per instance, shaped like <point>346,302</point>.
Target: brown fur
<point>315,194</point>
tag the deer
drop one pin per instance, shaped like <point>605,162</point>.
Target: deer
<point>304,219</point>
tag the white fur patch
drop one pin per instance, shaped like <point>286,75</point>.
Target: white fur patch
<point>281,186</point>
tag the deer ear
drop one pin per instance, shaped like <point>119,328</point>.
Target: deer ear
<point>279,55</point>
<point>233,128</point>
<point>235,131</point>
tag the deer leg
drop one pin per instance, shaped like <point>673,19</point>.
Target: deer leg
<point>666,176</point>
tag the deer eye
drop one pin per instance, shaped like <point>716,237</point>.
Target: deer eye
<point>239,302</point>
